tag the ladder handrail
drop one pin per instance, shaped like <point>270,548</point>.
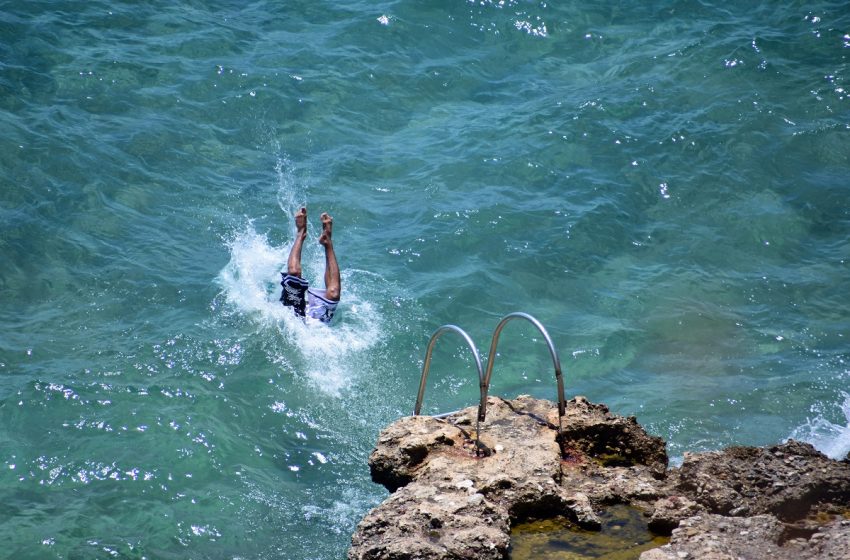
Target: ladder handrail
<point>427,365</point>
<point>491,358</point>
<point>484,378</point>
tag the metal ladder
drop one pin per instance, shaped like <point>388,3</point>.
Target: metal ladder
<point>484,377</point>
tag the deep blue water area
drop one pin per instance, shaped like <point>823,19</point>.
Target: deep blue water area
<point>664,185</point>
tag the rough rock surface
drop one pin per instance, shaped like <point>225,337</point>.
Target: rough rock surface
<point>449,502</point>
<point>784,480</point>
<point>716,537</point>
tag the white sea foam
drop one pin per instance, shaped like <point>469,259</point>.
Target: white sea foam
<point>328,355</point>
<point>831,439</point>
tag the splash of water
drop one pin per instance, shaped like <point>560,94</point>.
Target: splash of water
<point>327,355</point>
<point>287,193</point>
<point>249,277</point>
<point>831,439</point>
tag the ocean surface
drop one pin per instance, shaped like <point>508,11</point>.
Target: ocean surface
<point>664,185</point>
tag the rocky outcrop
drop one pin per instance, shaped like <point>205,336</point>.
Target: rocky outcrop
<point>718,537</point>
<point>455,498</point>
<point>783,480</point>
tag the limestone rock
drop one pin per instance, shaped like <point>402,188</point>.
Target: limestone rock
<point>432,522</point>
<point>451,502</point>
<point>404,445</point>
<point>761,537</point>
<point>612,439</point>
<point>669,511</point>
<point>785,480</point>
<point>452,498</point>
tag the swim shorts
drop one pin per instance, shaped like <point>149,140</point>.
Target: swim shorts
<point>306,301</point>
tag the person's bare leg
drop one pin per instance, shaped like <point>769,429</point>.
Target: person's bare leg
<point>333,286</point>
<point>293,265</point>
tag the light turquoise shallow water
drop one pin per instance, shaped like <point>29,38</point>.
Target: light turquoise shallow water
<point>664,185</point>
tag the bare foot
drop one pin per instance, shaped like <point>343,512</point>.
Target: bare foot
<point>327,229</point>
<point>301,222</point>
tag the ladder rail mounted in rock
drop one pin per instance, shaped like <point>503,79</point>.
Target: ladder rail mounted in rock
<point>484,378</point>
<point>427,365</point>
<point>491,358</point>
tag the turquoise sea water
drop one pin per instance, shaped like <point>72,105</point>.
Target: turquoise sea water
<point>664,185</point>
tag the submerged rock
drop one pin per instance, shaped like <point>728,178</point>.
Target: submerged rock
<point>455,497</point>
